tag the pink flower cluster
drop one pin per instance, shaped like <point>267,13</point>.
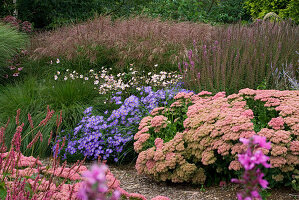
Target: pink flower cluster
<point>95,187</point>
<point>213,127</point>
<point>22,26</point>
<point>46,188</point>
<point>159,122</point>
<point>253,177</point>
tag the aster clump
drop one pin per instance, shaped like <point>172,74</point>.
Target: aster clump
<point>253,177</point>
<point>107,135</point>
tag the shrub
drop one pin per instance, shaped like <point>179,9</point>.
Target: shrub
<point>50,13</point>
<point>66,12</point>
<point>24,26</point>
<point>284,8</point>
<point>11,42</point>
<point>228,11</point>
<point>207,148</point>
<point>6,8</point>
<point>241,56</point>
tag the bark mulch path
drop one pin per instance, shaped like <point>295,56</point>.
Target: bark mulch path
<point>134,183</point>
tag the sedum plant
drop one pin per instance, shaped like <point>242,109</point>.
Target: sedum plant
<point>207,148</point>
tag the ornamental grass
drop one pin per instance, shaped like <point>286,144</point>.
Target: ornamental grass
<point>243,56</point>
<point>140,39</point>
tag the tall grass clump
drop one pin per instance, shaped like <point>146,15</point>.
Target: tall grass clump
<point>71,96</point>
<point>11,41</point>
<point>32,96</point>
<point>26,97</point>
<point>241,57</point>
<point>139,40</point>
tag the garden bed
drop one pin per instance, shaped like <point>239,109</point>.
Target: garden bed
<point>131,182</point>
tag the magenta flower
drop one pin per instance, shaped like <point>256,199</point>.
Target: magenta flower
<point>257,140</point>
<point>95,186</point>
<point>249,161</point>
<point>253,177</point>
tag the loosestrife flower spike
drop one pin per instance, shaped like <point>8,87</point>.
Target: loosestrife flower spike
<point>253,177</point>
<point>95,186</point>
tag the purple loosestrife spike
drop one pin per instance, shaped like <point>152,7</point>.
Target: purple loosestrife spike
<point>180,69</point>
<point>252,176</point>
<point>18,116</point>
<point>30,120</point>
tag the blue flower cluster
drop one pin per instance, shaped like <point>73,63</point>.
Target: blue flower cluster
<point>106,137</point>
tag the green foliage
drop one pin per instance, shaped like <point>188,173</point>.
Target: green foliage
<point>284,8</point>
<point>11,42</point>
<point>262,114</point>
<point>2,190</point>
<point>49,13</point>
<point>25,96</point>
<point>292,11</point>
<point>228,11</point>
<point>177,10</point>
<point>175,118</point>
<point>32,97</point>
<point>193,10</point>
<point>71,96</point>
<point>52,13</point>
<point>6,8</point>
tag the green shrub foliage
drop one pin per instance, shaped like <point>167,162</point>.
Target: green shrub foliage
<point>53,13</point>
<point>6,8</point>
<point>284,8</point>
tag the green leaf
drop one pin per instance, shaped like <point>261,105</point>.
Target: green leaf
<point>3,191</point>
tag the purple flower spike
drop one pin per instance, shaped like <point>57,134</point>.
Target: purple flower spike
<point>261,141</point>
<point>253,177</point>
<point>95,186</point>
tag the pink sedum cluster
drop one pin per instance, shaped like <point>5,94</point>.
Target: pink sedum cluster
<point>213,128</point>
